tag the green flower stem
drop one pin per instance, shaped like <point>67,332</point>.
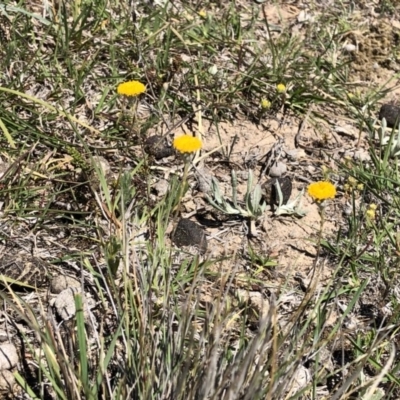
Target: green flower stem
<point>321,209</point>
<point>129,106</point>
<point>134,105</point>
<point>317,270</point>
<point>182,186</point>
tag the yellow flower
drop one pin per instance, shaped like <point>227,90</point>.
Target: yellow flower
<point>265,104</point>
<point>187,144</point>
<point>202,13</point>
<point>131,88</point>
<point>322,190</point>
<point>373,206</point>
<point>280,88</point>
<point>370,214</point>
<point>360,187</point>
<point>352,181</point>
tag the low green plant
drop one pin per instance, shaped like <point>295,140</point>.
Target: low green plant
<point>254,205</point>
<point>291,208</point>
<point>391,142</point>
<point>253,208</point>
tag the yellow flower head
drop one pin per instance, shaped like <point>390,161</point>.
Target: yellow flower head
<point>280,88</point>
<point>352,181</point>
<point>187,144</point>
<point>370,214</point>
<point>265,104</point>
<point>322,190</point>
<point>373,206</point>
<point>360,187</point>
<point>202,13</point>
<point>131,88</point>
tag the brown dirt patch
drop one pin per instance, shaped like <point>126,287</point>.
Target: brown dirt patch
<point>290,241</point>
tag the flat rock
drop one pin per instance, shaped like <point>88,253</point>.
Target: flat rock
<point>64,303</point>
<point>188,233</point>
<point>158,147</point>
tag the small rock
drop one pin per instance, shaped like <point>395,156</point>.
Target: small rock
<point>345,130</point>
<point>102,167</point>
<point>348,209</point>
<point>311,169</point>
<point>158,147</point>
<point>188,233</point>
<point>4,336</point>
<point>7,381</point>
<point>161,187</point>
<point>62,282</point>
<point>204,179</point>
<point>301,378</point>
<point>352,322</point>
<point>391,113</point>
<point>362,155</point>
<point>295,154</point>
<point>64,303</point>
<point>350,48</point>
<point>304,16</point>
<point>8,356</point>
<point>185,58</point>
<point>102,164</point>
<point>325,359</point>
<point>277,170</point>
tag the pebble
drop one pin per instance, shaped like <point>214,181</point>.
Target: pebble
<point>62,282</point>
<point>278,170</point>
<point>7,381</point>
<point>204,179</point>
<point>391,113</point>
<point>8,356</point>
<point>295,154</point>
<point>161,187</point>
<point>64,303</point>
<point>350,48</point>
<point>362,155</point>
<point>102,164</point>
<point>311,169</point>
